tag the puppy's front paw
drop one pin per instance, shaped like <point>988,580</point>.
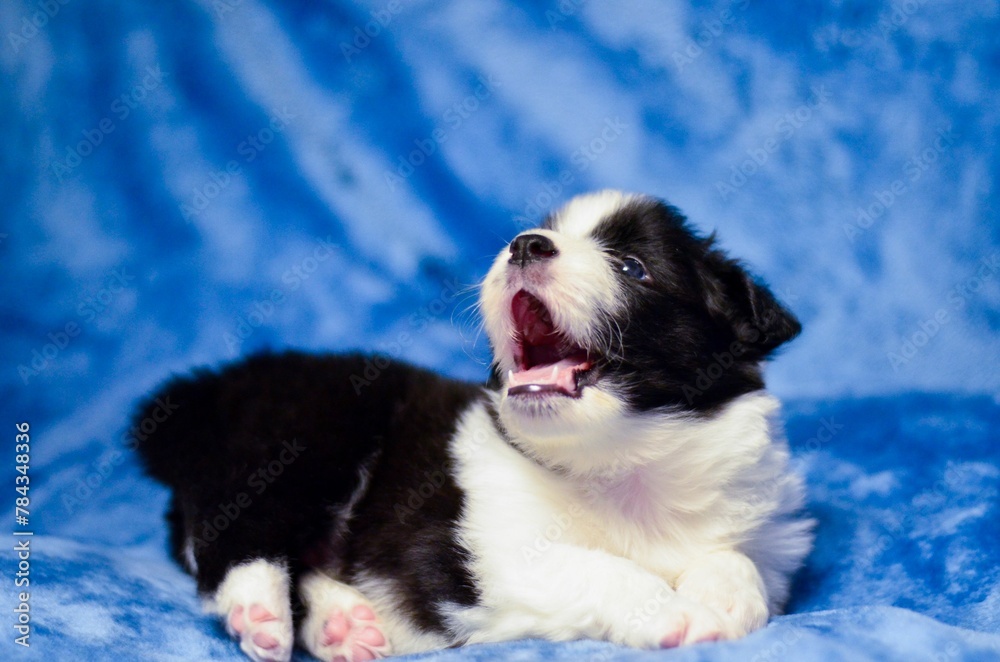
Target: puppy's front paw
<point>745,609</point>
<point>676,621</point>
<point>730,584</point>
<point>341,625</point>
<point>264,636</point>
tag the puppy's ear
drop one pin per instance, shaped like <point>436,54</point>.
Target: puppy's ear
<point>747,306</point>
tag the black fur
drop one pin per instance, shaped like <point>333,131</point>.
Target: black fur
<point>694,333</point>
<point>394,421</point>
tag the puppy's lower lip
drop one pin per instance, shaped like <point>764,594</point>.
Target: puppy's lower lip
<point>559,378</point>
<point>538,389</point>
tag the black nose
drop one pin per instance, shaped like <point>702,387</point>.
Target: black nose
<point>531,248</point>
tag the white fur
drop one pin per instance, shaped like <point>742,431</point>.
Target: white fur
<point>583,296</point>
<point>346,512</point>
<point>578,288</point>
<point>404,635</point>
<point>591,521</point>
<point>580,216</point>
<point>324,597</point>
<point>188,553</point>
<point>645,529</point>
<point>598,548</point>
<point>257,582</point>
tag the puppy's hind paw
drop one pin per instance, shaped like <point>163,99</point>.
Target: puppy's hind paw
<point>353,637</point>
<point>263,636</point>
<point>253,601</point>
<point>341,625</point>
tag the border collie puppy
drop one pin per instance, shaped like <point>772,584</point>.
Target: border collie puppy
<point>622,476</point>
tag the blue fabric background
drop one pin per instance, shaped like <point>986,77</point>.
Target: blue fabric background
<point>154,218</point>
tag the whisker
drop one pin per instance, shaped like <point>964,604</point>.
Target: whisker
<point>621,341</point>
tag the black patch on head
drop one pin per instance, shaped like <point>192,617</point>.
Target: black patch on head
<point>736,297</point>
<point>694,332</point>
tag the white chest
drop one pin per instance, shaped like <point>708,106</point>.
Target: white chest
<point>660,514</point>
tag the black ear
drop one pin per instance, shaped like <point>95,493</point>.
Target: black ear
<point>747,306</point>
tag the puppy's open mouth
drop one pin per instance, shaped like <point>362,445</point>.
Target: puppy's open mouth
<point>548,362</point>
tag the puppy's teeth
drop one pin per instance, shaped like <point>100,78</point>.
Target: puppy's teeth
<point>555,373</point>
<point>510,375</point>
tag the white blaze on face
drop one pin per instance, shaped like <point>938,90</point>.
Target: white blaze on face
<point>581,215</point>
<point>578,286</point>
<point>582,294</point>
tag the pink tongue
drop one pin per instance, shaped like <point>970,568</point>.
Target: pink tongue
<point>559,375</point>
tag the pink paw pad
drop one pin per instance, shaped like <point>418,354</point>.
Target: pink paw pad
<point>372,637</point>
<point>363,612</point>
<point>336,628</point>
<point>258,626</point>
<point>236,620</point>
<point>356,633</point>
<point>260,615</point>
<point>711,636</point>
<point>672,640</point>
<point>265,640</point>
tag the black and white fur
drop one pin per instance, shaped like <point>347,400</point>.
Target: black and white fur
<point>622,476</point>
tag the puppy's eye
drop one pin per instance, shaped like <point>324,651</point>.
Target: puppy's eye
<point>633,268</point>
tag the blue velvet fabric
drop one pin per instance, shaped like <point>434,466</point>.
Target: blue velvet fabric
<point>187,182</point>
